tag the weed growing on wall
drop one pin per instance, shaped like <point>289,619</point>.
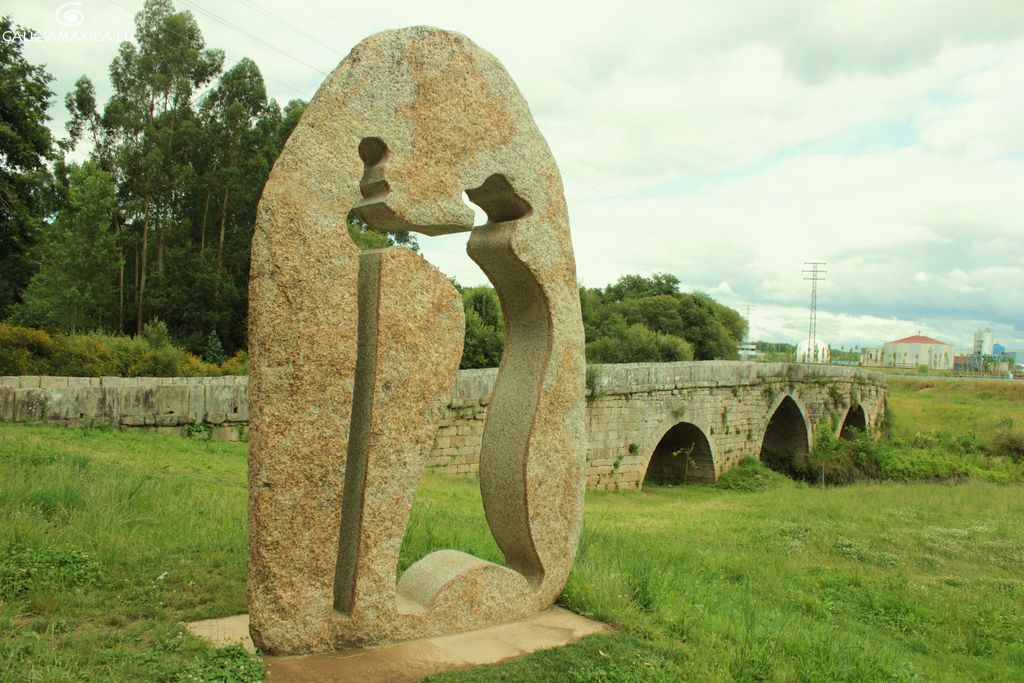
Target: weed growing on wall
<point>198,430</point>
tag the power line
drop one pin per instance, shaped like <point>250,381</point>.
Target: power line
<point>812,331</point>
<point>358,34</point>
<point>273,17</point>
<point>235,27</point>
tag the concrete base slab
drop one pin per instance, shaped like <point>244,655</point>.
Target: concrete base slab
<point>411,660</point>
<point>224,631</point>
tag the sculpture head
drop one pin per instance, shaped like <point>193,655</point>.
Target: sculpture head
<point>495,196</point>
<point>429,117</point>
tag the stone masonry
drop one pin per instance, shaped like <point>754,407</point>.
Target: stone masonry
<point>634,407</point>
<point>170,405</point>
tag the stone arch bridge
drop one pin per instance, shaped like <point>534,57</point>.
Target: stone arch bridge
<point>670,422</point>
<point>691,421</point>
<point>676,422</point>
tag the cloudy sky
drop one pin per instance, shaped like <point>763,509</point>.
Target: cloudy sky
<point>726,143</point>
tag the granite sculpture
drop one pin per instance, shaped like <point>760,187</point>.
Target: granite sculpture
<point>353,356</point>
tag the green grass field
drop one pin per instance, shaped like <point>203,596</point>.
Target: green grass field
<point>955,405</point>
<point>109,540</point>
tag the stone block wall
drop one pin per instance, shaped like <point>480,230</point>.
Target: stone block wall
<point>630,409</point>
<point>162,404</point>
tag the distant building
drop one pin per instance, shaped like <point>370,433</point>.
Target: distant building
<point>819,354</point>
<point>984,342</point>
<point>998,349</point>
<point>1007,360</point>
<point>748,351</point>
<point>918,350</point>
<point>871,356</point>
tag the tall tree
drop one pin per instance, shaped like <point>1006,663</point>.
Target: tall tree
<point>154,83</point>
<point>25,147</point>
<point>74,287</point>
<point>188,172</point>
<point>105,138</point>
<point>81,105</point>
<point>231,112</point>
<point>289,119</point>
<point>234,144</point>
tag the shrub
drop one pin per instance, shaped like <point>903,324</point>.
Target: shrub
<point>750,475</point>
<point>901,463</point>
<point>193,367</point>
<point>1009,442</point>
<point>932,456</point>
<point>238,364</point>
<point>825,452</point>
<point>156,334</point>
<point>88,355</point>
<point>25,351</point>
<point>593,382</point>
<point>636,344</point>
<point>197,430</point>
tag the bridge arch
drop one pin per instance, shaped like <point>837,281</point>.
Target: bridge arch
<point>786,443</point>
<point>695,461</point>
<point>856,420</point>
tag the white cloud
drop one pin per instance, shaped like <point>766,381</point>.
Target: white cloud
<point>726,143</point>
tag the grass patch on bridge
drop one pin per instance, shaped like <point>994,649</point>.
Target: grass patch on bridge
<point>109,540</point>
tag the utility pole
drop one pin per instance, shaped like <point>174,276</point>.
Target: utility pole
<point>816,275</point>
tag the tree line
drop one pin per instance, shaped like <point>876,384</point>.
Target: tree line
<point>156,223</point>
<point>635,320</point>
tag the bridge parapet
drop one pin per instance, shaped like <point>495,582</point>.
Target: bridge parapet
<point>633,378</point>
<point>638,414</point>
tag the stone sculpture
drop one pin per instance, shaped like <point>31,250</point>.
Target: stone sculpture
<point>354,356</point>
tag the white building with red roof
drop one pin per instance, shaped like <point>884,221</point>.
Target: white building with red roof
<point>914,351</point>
